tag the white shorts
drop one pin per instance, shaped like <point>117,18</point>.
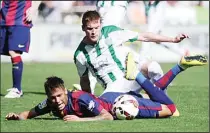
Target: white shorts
<point>123,85</point>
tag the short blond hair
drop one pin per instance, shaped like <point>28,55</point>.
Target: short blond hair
<point>89,16</point>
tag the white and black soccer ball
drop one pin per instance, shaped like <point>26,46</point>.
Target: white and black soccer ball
<point>125,107</point>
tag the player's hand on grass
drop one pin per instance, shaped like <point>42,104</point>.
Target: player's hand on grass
<point>71,118</point>
<point>180,37</point>
<point>12,116</point>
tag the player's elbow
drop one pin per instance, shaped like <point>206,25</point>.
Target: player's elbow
<point>106,115</point>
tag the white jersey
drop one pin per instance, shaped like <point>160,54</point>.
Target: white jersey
<point>105,59</point>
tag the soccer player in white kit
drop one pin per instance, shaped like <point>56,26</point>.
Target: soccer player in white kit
<point>113,13</point>
<point>100,53</point>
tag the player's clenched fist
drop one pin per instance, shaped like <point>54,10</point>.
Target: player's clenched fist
<point>12,116</point>
<point>180,37</point>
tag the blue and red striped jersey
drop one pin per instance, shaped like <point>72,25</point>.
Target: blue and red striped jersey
<point>13,12</point>
<point>82,104</point>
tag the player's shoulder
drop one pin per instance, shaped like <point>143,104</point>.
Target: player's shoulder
<point>80,95</point>
<point>80,49</point>
<point>43,107</point>
<point>106,30</point>
<point>43,104</point>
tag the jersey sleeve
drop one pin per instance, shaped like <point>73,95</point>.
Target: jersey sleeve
<point>90,105</point>
<point>42,108</point>
<point>80,65</point>
<point>116,36</point>
<point>122,36</point>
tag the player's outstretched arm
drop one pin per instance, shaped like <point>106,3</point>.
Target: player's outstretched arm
<point>152,37</point>
<point>22,116</point>
<point>104,115</point>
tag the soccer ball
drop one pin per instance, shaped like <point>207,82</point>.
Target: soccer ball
<point>125,107</point>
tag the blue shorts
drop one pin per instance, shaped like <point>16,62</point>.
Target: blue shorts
<point>14,38</point>
<point>148,108</point>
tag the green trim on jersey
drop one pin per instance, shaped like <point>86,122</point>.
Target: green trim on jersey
<point>114,57</point>
<point>108,29</point>
<point>112,3</point>
<point>98,50</point>
<point>102,4</point>
<point>82,49</point>
<point>148,6</point>
<point>87,56</point>
<point>133,39</point>
<point>105,32</point>
<point>111,76</point>
<point>78,50</point>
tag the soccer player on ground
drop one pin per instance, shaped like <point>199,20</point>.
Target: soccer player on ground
<point>100,52</point>
<point>15,23</point>
<point>83,106</point>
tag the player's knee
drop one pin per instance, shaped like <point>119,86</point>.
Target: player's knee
<point>154,70</point>
<point>14,53</point>
<point>172,108</point>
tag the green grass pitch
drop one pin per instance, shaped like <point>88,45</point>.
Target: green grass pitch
<point>190,92</point>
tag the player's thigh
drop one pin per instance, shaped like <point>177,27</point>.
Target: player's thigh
<point>116,86</point>
<point>3,41</point>
<point>148,108</point>
<point>123,85</point>
<point>19,38</point>
<point>143,66</point>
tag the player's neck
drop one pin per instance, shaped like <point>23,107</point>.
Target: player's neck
<point>88,41</point>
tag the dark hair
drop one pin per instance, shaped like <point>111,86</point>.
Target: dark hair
<point>89,16</point>
<point>52,83</point>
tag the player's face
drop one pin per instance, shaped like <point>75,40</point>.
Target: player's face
<point>92,30</point>
<point>58,98</point>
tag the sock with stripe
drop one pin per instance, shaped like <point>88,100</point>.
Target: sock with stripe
<point>167,78</point>
<point>17,69</point>
<point>155,93</point>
